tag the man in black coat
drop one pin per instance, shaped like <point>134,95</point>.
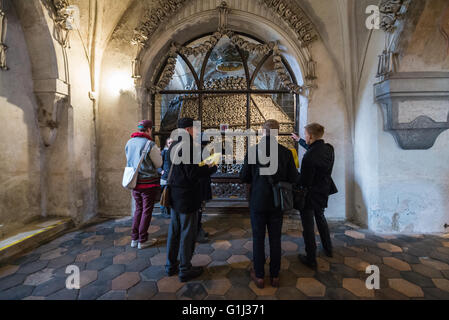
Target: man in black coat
<point>264,214</point>
<point>185,202</point>
<point>316,171</point>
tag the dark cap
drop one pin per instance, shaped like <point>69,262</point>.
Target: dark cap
<point>145,125</point>
<point>185,123</point>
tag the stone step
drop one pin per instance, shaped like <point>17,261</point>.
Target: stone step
<point>32,236</point>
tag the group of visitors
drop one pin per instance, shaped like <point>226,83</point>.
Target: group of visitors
<point>190,187</point>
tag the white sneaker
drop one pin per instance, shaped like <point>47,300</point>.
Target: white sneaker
<point>147,244</point>
<point>134,243</point>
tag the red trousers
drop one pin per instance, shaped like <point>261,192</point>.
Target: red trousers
<point>144,211</point>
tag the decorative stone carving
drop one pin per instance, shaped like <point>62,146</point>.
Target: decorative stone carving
<point>62,14</point>
<point>154,18</point>
<point>52,97</point>
<point>391,11</point>
<point>3,47</point>
<point>392,18</point>
<point>243,44</point>
<point>411,94</point>
<point>295,17</point>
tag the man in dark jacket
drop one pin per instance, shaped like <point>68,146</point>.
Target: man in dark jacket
<point>264,214</point>
<point>164,174</point>
<point>185,202</point>
<point>316,171</point>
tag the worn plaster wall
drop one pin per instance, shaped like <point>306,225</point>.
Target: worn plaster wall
<point>19,135</point>
<point>400,190</point>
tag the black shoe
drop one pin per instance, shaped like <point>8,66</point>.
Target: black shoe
<point>311,263</point>
<point>328,253</point>
<point>171,273</point>
<point>193,273</point>
<point>202,237</point>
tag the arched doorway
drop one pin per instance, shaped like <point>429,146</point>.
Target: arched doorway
<point>228,80</point>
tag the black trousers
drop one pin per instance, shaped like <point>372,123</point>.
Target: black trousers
<point>307,216</point>
<point>181,240</point>
<point>260,222</point>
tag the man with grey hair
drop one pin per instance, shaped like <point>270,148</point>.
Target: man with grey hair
<point>265,214</point>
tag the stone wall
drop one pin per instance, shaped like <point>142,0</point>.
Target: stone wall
<point>400,190</point>
<point>20,196</point>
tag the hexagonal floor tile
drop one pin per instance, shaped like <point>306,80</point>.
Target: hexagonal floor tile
<point>356,263</point>
<point>92,240</point>
<point>53,254</point>
<point>358,288</point>
<point>389,247</point>
<point>218,269</point>
<point>217,286</point>
<point>122,229</point>
<point>88,256</point>
<point>406,288</point>
<point>125,281</point>
<point>237,232</point>
<point>354,234</point>
<point>192,291</point>
<point>311,287</point>
<point>8,270</point>
<point>125,257</point>
<point>144,290</point>
<point>169,284</point>
<point>426,271</point>
<point>39,277</point>
<point>323,265</point>
<point>266,291</point>
<point>289,246</point>
<point>240,293</point>
<point>221,245</point>
<point>153,229</point>
<point>442,284</point>
<point>122,241</point>
<point>210,230</point>
<point>397,264</point>
<point>159,260</point>
<point>239,261</point>
<point>438,265</point>
<point>201,260</point>
<point>87,277</point>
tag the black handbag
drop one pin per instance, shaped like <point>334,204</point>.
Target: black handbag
<point>283,194</point>
<point>299,197</point>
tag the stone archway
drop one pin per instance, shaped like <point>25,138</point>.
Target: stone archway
<point>193,21</point>
<point>118,95</point>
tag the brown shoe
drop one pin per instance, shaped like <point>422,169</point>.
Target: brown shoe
<point>259,282</point>
<point>275,282</point>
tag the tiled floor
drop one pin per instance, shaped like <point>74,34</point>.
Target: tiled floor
<point>411,267</point>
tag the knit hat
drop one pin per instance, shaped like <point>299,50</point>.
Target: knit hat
<point>145,125</point>
<point>185,123</point>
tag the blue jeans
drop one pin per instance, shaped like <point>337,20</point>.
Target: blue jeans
<point>182,234</point>
<point>260,222</point>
